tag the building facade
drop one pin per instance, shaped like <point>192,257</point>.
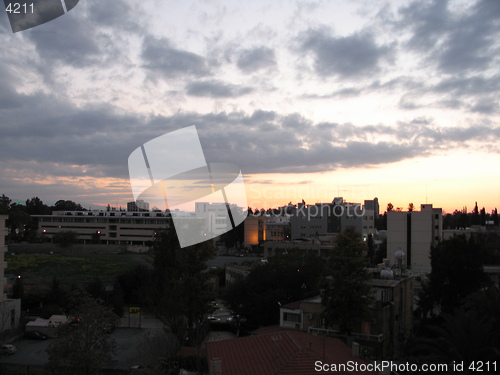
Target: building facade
<point>138,205</point>
<point>415,233</point>
<point>380,337</point>
<point>10,309</point>
<point>302,221</point>
<point>107,227</point>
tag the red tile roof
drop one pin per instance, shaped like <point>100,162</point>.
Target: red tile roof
<point>283,352</point>
<point>292,305</point>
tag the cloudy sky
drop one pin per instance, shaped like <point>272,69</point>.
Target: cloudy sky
<point>311,99</point>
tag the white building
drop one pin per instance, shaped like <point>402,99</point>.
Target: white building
<point>215,217</point>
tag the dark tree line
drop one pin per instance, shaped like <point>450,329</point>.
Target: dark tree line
<point>20,225</point>
<point>459,308</point>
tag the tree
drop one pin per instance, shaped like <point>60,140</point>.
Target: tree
<point>183,293</point>
<point>283,279</point>
<point>154,348</point>
<point>18,222</point>
<point>67,205</point>
<point>84,348</point>
<point>456,272</point>
<point>5,203</point>
<point>475,220</point>
<point>18,288</point>
<point>371,248</point>
<point>56,295</point>
<point>390,207</point>
<point>65,238</point>
<point>35,206</point>
<point>482,218</point>
<point>462,336</point>
<point>411,207</point>
<point>136,285</point>
<point>96,237</point>
<point>345,294</point>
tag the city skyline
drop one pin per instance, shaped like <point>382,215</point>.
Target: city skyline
<point>312,100</point>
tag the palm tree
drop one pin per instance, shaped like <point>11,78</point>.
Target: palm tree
<point>465,336</point>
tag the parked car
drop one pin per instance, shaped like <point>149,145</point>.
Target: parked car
<point>8,349</point>
<point>74,322</point>
<point>34,335</point>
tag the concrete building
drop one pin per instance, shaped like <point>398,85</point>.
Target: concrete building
<point>215,216</point>
<point>321,246</point>
<point>3,249</point>
<point>303,221</point>
<point>383,335</point>
<point>414,233</point>
<point>138,205</point>
<point>10,309</point>
<point>112,227</point>
<point>278,228</point>
<point>235,273</point>
<point>254,230</point>
<point>133,227</point>
<point>335,217</point>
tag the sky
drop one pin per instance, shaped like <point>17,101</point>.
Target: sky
<point>310,99</point>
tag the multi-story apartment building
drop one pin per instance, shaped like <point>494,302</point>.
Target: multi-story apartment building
<point>415,232</point>
<point>303,221</point>
<point>334,217</point>
<point>138,205</point>
<point>381,336</point>
<point>3,249</point>
<point>10,309</point>
<point>278,228</point>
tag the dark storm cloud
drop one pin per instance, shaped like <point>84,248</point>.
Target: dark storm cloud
<point>488,108</point>
<point>216,89</point>
<point>399,83</point>
<point>455,43</point>
<point>344,56</point>
<point>428,21</point>
<point>161,58</point>
<point>97,140</point>
<point>467,86</point>
<point>120,15</point>
<point>252,60</point>
<point>67,40</point>
<point>89,35</point>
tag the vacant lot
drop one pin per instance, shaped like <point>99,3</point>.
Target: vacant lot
<point>41,268</point>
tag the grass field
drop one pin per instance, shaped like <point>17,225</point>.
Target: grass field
<point>42,268</point>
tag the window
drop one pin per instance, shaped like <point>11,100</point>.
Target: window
<point>290,317</point>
